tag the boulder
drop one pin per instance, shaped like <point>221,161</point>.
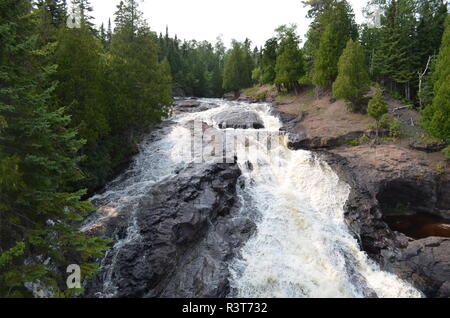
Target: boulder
<point>238,119</point>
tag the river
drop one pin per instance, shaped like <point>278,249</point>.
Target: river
<point>302,247</point>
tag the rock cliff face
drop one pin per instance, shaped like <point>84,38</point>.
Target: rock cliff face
<point>188,230</point>
<point>376,180</point>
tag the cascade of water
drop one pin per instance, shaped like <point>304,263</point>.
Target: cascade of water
<point>302,246</point>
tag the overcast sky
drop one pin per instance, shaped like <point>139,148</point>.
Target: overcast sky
<point>207,19</point>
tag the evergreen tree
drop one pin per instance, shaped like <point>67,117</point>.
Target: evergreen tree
<point>437,115</point>
<point>78,59</point>
<point>57,10</point>
<point>289,65</point>
<point>317,10</point>
<point>377,107</point>
<point>394,59</point>
<point>238,68</point>
<point>38,160</point>
<point>339,26</point>
<point>143,84</point>
<point>353,78</point>
<point>269,61</point>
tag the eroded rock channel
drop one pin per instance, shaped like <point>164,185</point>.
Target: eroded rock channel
<point>287,223</point>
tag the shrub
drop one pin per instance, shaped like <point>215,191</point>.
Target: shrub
<point>395,128</point>
<point>261,96</point>
<point>440,169</point>
<point>446,152</point>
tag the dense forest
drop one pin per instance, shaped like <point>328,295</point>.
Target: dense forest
<point>75,101</point>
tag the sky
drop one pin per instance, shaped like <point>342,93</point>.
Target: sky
<point>208,19</point>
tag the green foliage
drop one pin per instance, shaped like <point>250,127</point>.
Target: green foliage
<point>261,96</point>
<point>238,67</point>
<point>436,117</point>
<point>399,50</point>
<point>289,66</point>
<point>353,79</point>
<point>269,60</point>
<point>114,87</point>
<point>257,75</point>
<point>377,106</point>
<point>78,74</point>
<point>446,152</point>
<point>338,25</point>
<point>196,67</point>
<point>395,129</point>
<point>39,157</point>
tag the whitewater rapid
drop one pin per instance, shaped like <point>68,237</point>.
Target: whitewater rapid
<point>302,247</point>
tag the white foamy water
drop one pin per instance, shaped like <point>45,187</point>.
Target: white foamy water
<point>302,246</point>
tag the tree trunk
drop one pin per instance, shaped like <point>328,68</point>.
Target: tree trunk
<point>378,132</point>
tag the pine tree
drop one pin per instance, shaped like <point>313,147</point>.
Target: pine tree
<point>289,65</point>
<point>269,61</point>
<point>377,107</point>
<point>317,10</point>
<point>437,115</point>
<point>238,68</point>
<point>57,10</point>
<point>78,59</point>
<point>353,78</point>
<point>143,84</point>
<point>38,160</point>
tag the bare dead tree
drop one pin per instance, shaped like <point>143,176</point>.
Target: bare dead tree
<point>421,77</point>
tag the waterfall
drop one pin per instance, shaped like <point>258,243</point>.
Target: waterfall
<point>302,246</point>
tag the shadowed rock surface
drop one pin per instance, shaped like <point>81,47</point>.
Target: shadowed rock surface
<point>372,188</point>
<point>427,263</point>
<point>188,231</point>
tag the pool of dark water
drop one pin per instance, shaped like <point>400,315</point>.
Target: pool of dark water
<point>419,226</point>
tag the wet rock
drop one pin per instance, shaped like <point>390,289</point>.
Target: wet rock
<point>187,103</point>
<point>239,119</point>
<point>423,263</point>
<point>190,106</point>
<point>230,96</point>
<point>428,147</point>
<point>189,228</point>
<point>427,264</point>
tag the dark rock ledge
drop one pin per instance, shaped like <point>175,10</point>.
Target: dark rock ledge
<point>190,229</point>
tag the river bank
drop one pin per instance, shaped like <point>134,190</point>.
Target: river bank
<point>392,179</point>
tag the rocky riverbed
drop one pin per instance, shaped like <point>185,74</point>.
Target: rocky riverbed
<point>176,228</point>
